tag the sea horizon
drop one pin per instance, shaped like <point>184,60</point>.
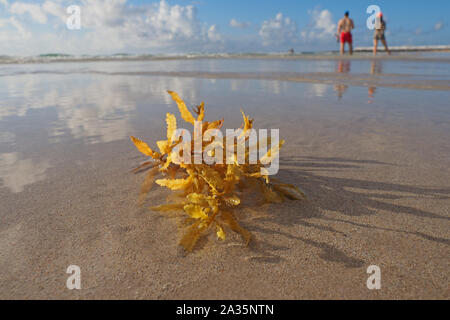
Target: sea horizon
<point>359,52</point>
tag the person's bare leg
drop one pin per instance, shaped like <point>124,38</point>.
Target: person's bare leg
<point>342,49</point>
<point>350,48</point>
<point>375,47</point>
<point>386,46</point>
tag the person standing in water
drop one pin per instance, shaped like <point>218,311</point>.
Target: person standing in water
<point>345,27</point>
<point>380,27</point>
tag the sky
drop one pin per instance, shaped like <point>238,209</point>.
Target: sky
<point>31,27</point>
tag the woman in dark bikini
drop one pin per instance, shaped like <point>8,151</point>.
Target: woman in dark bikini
<point>380,27</point>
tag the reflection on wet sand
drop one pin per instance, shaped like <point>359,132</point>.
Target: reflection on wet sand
<point>274,87</point>
<point>90,110</point>
<point>317,90</point>
<point>16,173</point>
<point>376,68</point>
<point>343,66</point>
<point>371,93</point>
<point>93,110</point>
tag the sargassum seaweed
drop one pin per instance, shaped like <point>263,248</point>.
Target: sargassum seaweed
<point>209,194</point>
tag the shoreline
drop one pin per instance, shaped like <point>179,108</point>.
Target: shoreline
<point>359,54</point>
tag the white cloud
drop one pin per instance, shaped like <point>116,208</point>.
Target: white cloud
<point>438,26</point>
<point>4,2</point>
<point>153,27</point>
<point>55,9</point>
<point>279,31</point>
<point>213,34</point>
<point>322,26</point>
<point>109,26</point>
<point>239,24</point>
<point>22,31</point>
<point>34,10</point>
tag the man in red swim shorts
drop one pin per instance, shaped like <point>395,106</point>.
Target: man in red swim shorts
<point>345,27</point>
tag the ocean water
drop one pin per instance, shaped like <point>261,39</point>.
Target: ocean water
<point>50,110</point>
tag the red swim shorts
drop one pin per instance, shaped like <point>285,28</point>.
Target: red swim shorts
<point>346,37</point>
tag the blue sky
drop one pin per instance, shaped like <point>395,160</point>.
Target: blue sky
<point>180,26</point>
<point>404,13</point>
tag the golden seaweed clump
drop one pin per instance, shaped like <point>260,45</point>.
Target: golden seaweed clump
<point>209,193</point>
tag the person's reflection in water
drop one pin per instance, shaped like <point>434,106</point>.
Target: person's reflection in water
<point>343,66</point>
<point>340,89</point>
<point>376,68</point>
<point>371,93</point>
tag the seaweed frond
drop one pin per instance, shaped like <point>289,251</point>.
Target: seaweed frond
<point>210,193</point>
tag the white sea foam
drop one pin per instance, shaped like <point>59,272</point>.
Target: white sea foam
<point>46,58</point>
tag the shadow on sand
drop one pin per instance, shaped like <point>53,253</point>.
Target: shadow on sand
<point>329,193</point>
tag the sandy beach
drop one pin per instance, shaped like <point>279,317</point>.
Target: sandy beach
<point>368,141</point>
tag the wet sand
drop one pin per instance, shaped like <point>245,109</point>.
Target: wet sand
<point>373,160</point>
<point>400,81</point>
